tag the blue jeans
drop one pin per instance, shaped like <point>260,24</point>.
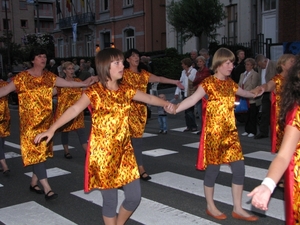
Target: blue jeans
<point>162,120</point>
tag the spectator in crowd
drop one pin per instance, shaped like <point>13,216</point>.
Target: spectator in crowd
<point>59,69</point>
<point>110,161</point>
<point>162,117</point>
<point>194,55</point>
<point>83,72</point>
<point>76,65</point>
<point>90,68</point>
<point>287,160</point>
<point>138,78</point>
<point>266,71</point>
<point>202,73</point>
<point>204,52</point>
<point>248,81</point>
<point>219,139</point>
<point>188,75</point>
<point>53,67</point>
<point>146,60</point>
<point>239,66</point>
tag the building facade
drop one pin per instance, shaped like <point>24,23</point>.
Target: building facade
<point>123,24</point>
<point>20,17</point>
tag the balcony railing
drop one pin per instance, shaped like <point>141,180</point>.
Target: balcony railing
<point>80,19</point>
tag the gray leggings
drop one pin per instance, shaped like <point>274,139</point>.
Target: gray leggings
<point>238,173</point>
<point>132,192</point>
<point>80,133</point>
<point>2,155</point>
<point>137,144</point>
<point>40,170</point>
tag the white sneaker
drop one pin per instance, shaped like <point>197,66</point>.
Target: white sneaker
<point>244,134</point>
<point>251,135</point>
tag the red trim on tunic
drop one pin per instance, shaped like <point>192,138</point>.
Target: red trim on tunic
<point>273,122</point>
<point>201,162</point>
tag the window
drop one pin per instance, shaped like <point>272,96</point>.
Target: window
<point>128,3</point>
<point>6,24</point>
<point>89,48</point>
<point>106,39</point>
<point>60,48</point>
<point>104,5</point>
<point>232,24</point>
<point>73,47</point>
<point>24,24</point>
<point>129,39</point>
<point>5,4</point>
<point>22,4</point>
<point>269,5</point>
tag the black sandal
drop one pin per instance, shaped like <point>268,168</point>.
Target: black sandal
<point>68,155</point>
<point>38,191</point>
<point>51,197</point>
<point>6,172</point>
<point>145,178</point>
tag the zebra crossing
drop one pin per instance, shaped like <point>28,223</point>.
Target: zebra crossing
<point>31,212</point>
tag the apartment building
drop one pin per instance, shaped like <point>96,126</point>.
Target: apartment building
<point>21,17</point>
<point>123,24</point>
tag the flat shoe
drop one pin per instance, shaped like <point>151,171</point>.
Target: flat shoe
<point>219,217</point>
<point>51,197</point>
<point>68,155</point>
<point>145,178</point>
<point>38,191</point>
<point>6,173</point>
<point>248,218</point>
<point>186,130</point>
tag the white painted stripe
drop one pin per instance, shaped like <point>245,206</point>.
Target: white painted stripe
<point>222,193</point>
<point>158,152</point>
<point>250,171</point>
<point>1,185</point>
<point>193,145</point>
<point>145,135</point>
<point>31,213</point>
<point>55,147</point>
<point>9,155</point>
<point>52,172</point>
<point>267,156</point>
<point>149,212</point>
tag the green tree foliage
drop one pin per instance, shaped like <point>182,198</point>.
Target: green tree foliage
<point>196,17</point>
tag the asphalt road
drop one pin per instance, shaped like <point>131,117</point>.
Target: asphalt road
<point>173,196</point>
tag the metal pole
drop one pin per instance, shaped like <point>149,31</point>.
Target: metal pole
<point>38,16</point>
<point>7,36</point>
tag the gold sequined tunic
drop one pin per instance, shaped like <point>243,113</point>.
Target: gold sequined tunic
<point>66,97</point>
<point>110,161</point>
<point>5,114</point>
<point>138,111</point>
<point>35,112</point>
<point>219,141</point>
<point>276,132</point>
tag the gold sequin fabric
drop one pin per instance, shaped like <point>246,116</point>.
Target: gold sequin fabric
<point>220,135</point>
<point>66,97</point>
<point>110,161</point>
<point>5,114</point>
<point>278,80</point>
<point>292,175</point>
<point>35,112</point>
<point>138,111</point>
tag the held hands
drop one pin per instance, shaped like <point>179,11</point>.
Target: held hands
<point>171,108</point>
<point>91,80</point>
<point>258,91</point>
<point>49,134</point>
<point>179,84</point>
<point>260,197</point>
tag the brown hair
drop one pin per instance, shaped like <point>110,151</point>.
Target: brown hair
<point>221,56</point>
<point>282,60</point>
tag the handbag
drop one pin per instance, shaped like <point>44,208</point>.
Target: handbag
<point>242,105</point>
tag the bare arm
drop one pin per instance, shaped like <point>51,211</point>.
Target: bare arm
<point>68,115</point>
<point>60,82</point>
<point>261,194</point>
<point>7,89</point>
<point>270,86</point>
<point>150,99</point>
<point>153,78</point>
<point>190,101</point>
<point>250,94</point>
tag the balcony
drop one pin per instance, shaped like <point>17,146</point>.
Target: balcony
<point>80,19</point>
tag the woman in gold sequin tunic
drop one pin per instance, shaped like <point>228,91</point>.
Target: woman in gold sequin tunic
<point>4,128</point>
<point>138,79</point>
<point>110,162</point>
<point>274,86</point>
<point>287,161</point>
<point>219,141</point>
<point>34,88</point>
<point>65,98</point>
